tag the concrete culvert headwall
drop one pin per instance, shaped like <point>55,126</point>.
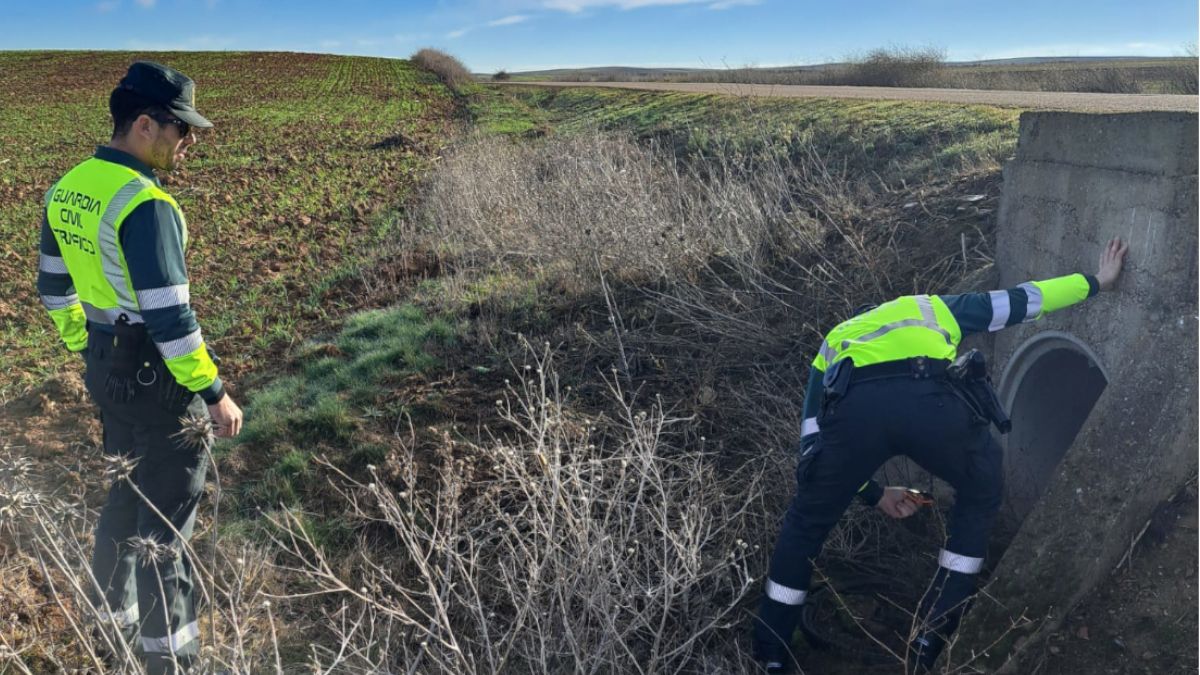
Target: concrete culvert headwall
<point>1102,396</point>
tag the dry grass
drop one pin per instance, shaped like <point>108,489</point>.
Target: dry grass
<point>448,69</point>
<point>716,278</point>
<point>576,544</point>
<point>48,530</point>
<point>896,67</point>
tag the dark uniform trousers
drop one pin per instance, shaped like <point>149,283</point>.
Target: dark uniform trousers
<point>874,421</point>
<point>148,588</point>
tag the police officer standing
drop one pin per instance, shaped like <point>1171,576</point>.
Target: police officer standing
<point>112,276</point>
<point>880,387</point>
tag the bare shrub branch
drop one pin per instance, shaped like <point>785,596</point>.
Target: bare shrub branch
<point>592,545</point>
<point>448,69</point>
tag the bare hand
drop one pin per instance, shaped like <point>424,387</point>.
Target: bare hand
<point>898,502</point>
<point>226,417</point>
<point>1110,263</point>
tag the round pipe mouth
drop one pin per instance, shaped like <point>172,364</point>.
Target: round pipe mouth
<point>1049,388</point>
<point>1027,354</point>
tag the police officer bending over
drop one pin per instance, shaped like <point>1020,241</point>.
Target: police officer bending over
<point>883,385</point>
<point>112,276</point>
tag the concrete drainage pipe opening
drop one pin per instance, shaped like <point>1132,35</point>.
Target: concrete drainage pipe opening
<point>1050,386</point>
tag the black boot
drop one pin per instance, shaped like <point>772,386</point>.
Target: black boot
<point>923,652</point>
<point>772,635</point>
<point>942,609</point>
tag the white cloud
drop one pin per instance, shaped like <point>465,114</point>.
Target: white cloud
<point>107,6</point>
<point>505,21</point>
<point>727,4</point>
<point>147,4</point>
<point>576,6</point>
<point>509,20</point>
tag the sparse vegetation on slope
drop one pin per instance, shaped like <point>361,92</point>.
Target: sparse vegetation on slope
<point>690,286</point>
<point>440,489</point>
<point>926,67</point>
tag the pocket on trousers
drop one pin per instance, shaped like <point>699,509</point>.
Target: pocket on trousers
<point>172,397</point>
<point>95,372</point>
<point>804,466</point>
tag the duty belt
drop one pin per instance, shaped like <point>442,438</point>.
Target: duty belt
<point>842,374</point>
<point>919,368</point>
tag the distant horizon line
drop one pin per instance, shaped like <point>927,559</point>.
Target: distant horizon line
<point>1010,59</point>
<point>1115,57</point>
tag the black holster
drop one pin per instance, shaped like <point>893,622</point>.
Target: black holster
<point>125,359</point>
<point>136,369</point>
<point>969,379</point>
<point>835,383</point>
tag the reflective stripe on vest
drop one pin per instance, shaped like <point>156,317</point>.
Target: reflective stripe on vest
<point>111,259</point>
<point>878,336</point>
<point>928,320</point>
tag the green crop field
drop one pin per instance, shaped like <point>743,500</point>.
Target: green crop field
<point>902,140</point>
<point>927,68</point>
<point>285,197</point>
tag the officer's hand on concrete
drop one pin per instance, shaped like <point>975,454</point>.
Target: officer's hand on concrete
<point>896,503</point>
<point>1110,263</point>
<point>226,417</point>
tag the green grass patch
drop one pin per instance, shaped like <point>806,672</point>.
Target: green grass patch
<point>493,111</point>
<point>323,407</point>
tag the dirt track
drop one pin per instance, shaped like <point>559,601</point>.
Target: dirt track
<point>1031,100</point>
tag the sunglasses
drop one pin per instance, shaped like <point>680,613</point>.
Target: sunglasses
<point>183,127</point>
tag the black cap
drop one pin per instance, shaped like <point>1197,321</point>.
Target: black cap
<point>167,87</point>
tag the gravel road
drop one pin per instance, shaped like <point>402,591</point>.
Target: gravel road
<point>1031,100</point>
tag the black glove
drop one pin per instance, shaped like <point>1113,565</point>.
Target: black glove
<point>871,493</point>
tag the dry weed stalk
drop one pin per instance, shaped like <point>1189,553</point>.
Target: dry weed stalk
<point>51,529</point>
<point>586,546</point>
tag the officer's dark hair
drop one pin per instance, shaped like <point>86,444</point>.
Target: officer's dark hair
<point>125,106</point>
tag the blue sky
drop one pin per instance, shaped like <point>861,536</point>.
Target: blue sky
<point>535,34</point>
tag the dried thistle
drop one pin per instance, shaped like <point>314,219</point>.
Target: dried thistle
<point>196,431</point>
<point>119,467</point>
<point>16,501</point>
<point>150,551</point>
<point>15,469</point>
